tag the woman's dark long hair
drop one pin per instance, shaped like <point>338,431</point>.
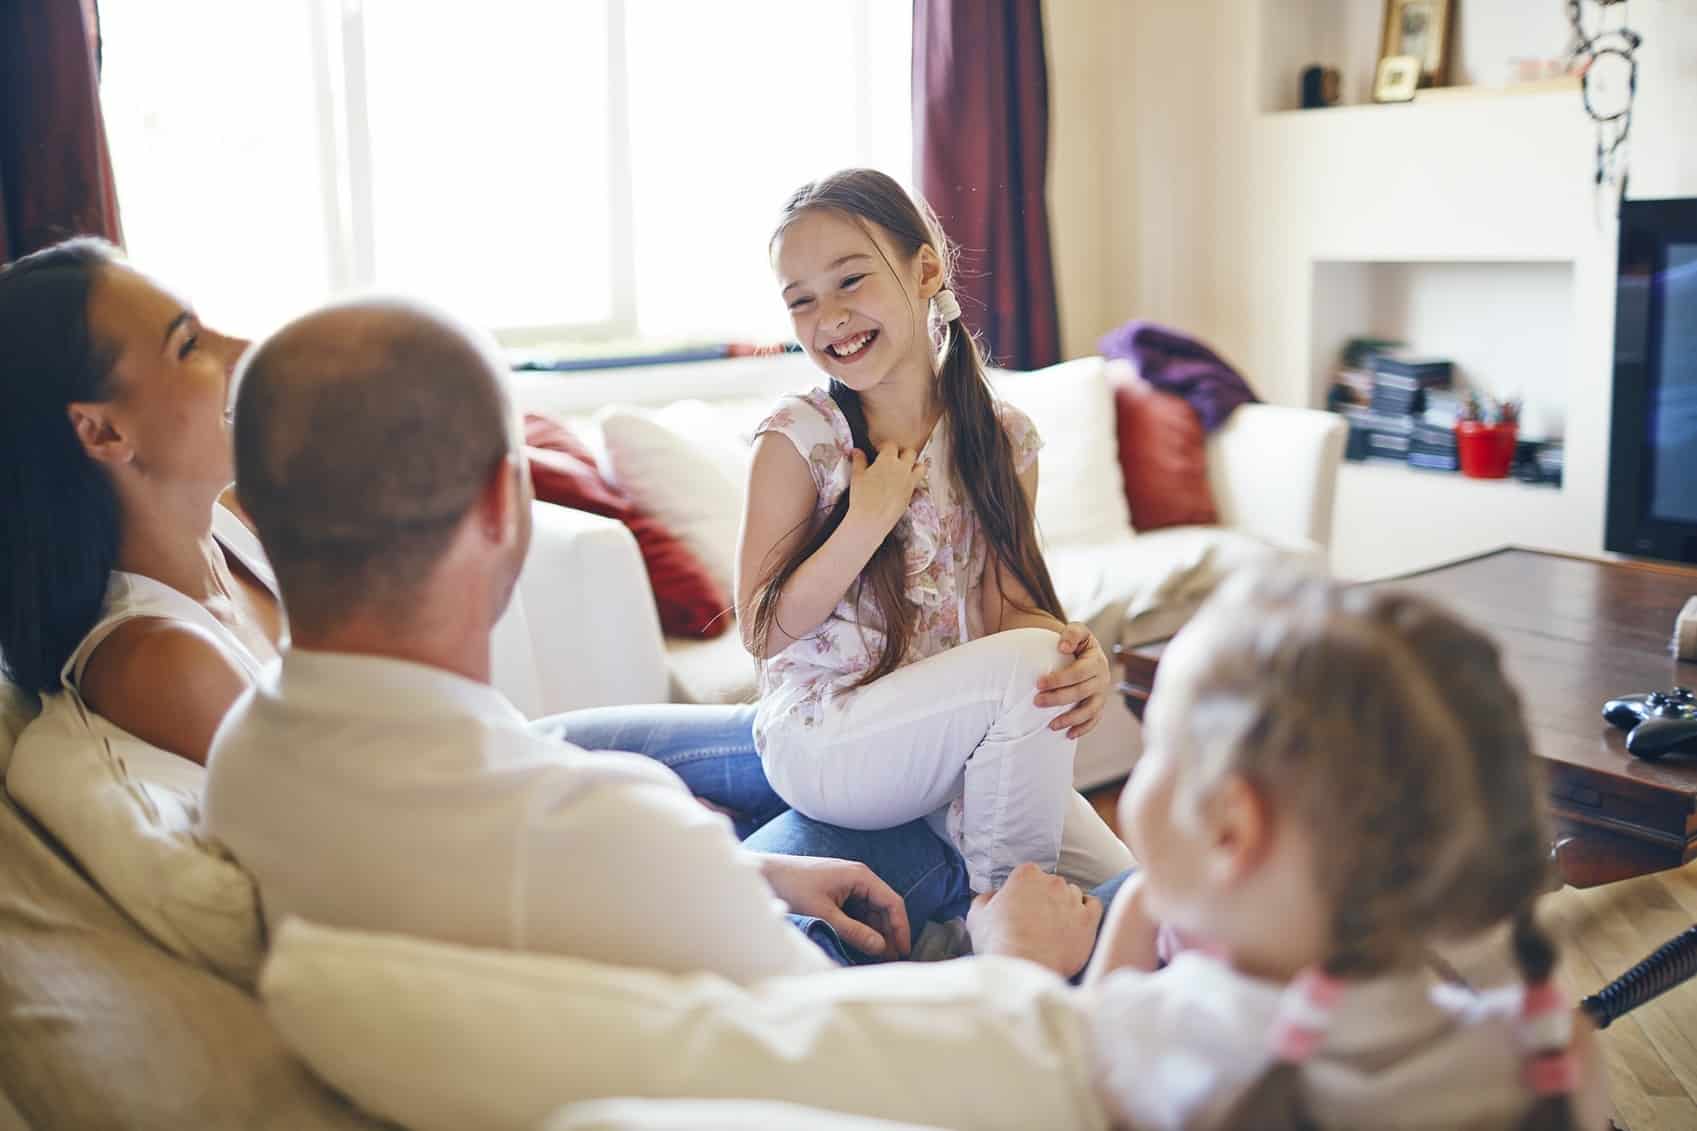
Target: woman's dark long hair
<point>982,455</point>
<point>58,510</point>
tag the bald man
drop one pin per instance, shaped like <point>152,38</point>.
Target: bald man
<point>380,782</point>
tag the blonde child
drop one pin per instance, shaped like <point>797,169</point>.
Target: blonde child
<point>913,653</point>
<point>1332,780</point>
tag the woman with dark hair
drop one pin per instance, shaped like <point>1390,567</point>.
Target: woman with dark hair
<point>121,578</point>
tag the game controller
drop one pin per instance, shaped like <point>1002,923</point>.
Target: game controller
<point>1658,723</point>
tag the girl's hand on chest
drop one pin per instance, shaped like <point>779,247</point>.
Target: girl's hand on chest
<point>879,493</point>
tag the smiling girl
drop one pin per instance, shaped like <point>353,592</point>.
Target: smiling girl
<point>913,652</point>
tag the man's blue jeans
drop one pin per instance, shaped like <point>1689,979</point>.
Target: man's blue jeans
<point>712,749</point>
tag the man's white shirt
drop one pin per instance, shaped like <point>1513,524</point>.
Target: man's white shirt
<point>384,795</point>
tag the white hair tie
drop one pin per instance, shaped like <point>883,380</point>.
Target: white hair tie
<point>947,308</point>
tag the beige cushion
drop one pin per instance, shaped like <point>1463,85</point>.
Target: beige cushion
<point>129,814</point>
<point>442,1037</point>
<point>711,1115</point>
<point>689,478</point>
<point>100,1028</point>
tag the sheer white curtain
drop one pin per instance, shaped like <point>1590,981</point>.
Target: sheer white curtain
<point>550,170</point>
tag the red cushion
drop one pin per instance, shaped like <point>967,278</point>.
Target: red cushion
<point>563,471</point>
<point>1162,457</point>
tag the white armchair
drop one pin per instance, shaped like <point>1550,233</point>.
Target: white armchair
<point>582,629</point>
<point>1274,471</point>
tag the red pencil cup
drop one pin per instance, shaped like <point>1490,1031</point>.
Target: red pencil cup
<point>1486,451</point>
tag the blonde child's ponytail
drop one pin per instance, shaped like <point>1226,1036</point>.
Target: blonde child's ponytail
<point>1545,1029</point>
<point>1505,882</point>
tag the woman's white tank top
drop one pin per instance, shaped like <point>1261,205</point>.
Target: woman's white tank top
<point>130,596</point>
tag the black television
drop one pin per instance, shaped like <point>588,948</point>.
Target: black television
<point>1652,499</point>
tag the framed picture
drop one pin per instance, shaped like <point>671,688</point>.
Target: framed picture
<point>1397,78</point>
<point>1420,28</point>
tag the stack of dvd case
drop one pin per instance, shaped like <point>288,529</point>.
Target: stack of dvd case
<point>1391,427</point>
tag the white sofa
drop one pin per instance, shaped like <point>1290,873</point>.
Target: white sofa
<point>102,1027</point>
<point>1272,470</point>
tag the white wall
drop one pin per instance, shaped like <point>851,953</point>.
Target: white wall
<point>1508,327</point>
<point>1127,170</point>
<point>1088,194</point>
<point>1664,148</point>
<point>1177,198</point>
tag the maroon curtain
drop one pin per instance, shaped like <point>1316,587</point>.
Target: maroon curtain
<point>55,172</point>
<point>981,148</point>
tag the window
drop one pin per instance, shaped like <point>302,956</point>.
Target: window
<point>599,168</point>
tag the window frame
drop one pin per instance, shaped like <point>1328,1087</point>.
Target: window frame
<point>334,114</point>
<point>338,34</point>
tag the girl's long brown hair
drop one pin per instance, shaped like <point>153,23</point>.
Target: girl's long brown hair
<point>982,455</point>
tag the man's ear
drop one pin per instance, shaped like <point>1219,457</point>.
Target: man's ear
<point>100,437</point>
<point>930,268</point>
<point>505,493</point>
<point>1239,823</point>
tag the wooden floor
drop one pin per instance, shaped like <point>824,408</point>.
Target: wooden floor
<point>1652,1052</point>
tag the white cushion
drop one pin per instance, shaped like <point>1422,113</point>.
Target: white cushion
<point>724,428</point>
<point>1080,489</point>
<point>16,711</point>
<point>711,1115</point>
<point>434,1036</point>
<point>129,814</point>
<point>691,480</point>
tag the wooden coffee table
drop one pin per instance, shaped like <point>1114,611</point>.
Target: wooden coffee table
<point>1574,631</point>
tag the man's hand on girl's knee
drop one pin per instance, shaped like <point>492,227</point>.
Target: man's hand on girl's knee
<point>864,910</point>
<point>1037,917</point>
